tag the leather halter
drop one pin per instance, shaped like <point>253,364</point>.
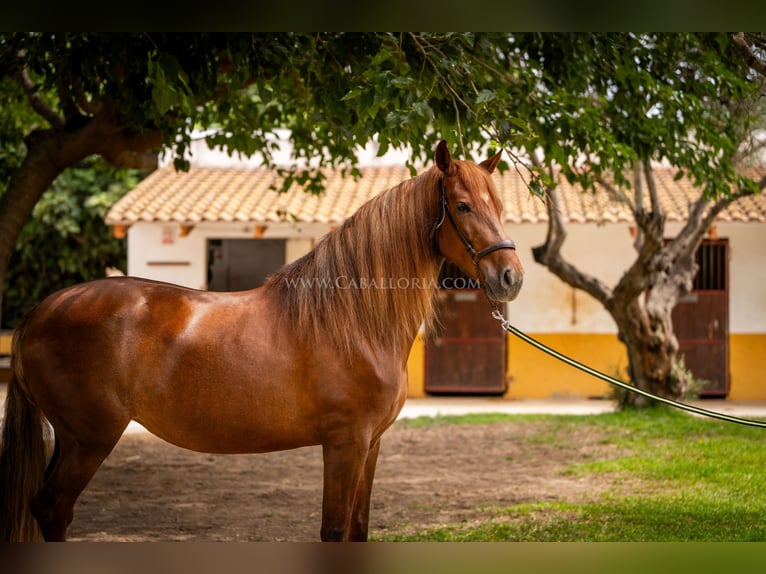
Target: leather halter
<point>445,210</point>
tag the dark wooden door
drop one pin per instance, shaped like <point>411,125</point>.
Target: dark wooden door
<point>239,264</point>
<point>467,354</point>
<point>701,319</point>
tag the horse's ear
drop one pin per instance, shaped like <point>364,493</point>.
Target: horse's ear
<point>444,160</point>
<point>491,163</point>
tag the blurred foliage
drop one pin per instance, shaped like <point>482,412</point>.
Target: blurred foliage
<point>589,100</point>
<point>66,241</point>
<point>587,104</point>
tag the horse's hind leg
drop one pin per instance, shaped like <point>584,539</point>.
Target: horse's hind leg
<point>73,465</point>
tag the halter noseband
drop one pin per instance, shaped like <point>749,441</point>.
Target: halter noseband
<point>445,210</point>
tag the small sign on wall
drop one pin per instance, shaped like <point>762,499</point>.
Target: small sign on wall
<point>168,235</point>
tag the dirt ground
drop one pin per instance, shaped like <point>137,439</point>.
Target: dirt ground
<point>149,490</point>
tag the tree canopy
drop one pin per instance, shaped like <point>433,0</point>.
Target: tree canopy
<point>589,107</point>
<point>611,97</point>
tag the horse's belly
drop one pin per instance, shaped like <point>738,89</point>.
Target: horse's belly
<point>245,392</point>
<point>230,430</point>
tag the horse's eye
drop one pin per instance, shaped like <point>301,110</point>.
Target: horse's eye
<point>463,207</point>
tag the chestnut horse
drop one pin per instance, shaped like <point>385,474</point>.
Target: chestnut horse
<point>316,356</point>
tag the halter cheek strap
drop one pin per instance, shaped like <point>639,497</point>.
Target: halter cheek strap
<point>445,210</point>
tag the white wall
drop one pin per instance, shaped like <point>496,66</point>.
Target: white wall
<point>747,276</point>
<point>545,305</point>
<point>157,251</point>
<point>548,305</point>
<point>199,154</point>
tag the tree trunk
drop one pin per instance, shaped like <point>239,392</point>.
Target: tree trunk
<point>652,351</point>
<point>49,153</point>
<point>24,190</point>
<point>642,302</point>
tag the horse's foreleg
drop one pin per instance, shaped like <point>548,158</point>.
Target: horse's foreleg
<point>360,516</point>
<point>344,467</point>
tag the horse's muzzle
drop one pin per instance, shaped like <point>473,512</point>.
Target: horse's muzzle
<point>503,282</point>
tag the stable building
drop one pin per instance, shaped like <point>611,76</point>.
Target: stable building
<point>226,228</point>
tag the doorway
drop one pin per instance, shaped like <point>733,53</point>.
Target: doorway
<point>701,319</point>
<point>466,355</point>
<point>239,264</point>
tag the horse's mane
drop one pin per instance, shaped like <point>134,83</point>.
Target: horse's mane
<point>372,277</point>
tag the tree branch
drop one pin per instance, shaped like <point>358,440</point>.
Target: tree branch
<point>638,189</point>
<point>38,104</point>
<point>549,254</point>
<point>617,194</point>
<point>750,58</point>
<point>135,160</point>
<point>649,240</point>
<point>416,39</point>
<point>129,149</point>
<point>652,186</point>
<point>699,220</point>
<point>754,148</point>
<point>724,202</point>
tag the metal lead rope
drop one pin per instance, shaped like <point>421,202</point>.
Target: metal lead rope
<point>616,382</point>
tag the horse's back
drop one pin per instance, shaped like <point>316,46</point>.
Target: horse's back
<point>208,371</point>
<point>103,318</point>
<point>75,349</point>
<point>126,345</point>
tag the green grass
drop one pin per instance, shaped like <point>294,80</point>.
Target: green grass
<point>676,478</point>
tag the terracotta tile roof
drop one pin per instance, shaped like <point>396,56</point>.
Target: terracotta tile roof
<point>207,194</point>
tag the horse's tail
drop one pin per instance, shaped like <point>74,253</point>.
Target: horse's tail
<point>23,454</point>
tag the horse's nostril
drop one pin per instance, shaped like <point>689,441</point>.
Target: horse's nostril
<point>510,283</point>
<point>507,278</point>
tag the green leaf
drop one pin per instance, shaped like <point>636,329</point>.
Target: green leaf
<point>163,98</point>
<point>536,187</point>
<point>485,96</point>
<point>422,109</point>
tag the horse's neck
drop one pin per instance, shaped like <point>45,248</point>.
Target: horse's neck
<point>411,227</point>
<point>377,277</point>
<point>393,245</point>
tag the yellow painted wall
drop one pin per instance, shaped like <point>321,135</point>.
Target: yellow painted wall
<point>5,342</point>
<point>746,366</point>
<point>533,374</point>
<point>416,369</point>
